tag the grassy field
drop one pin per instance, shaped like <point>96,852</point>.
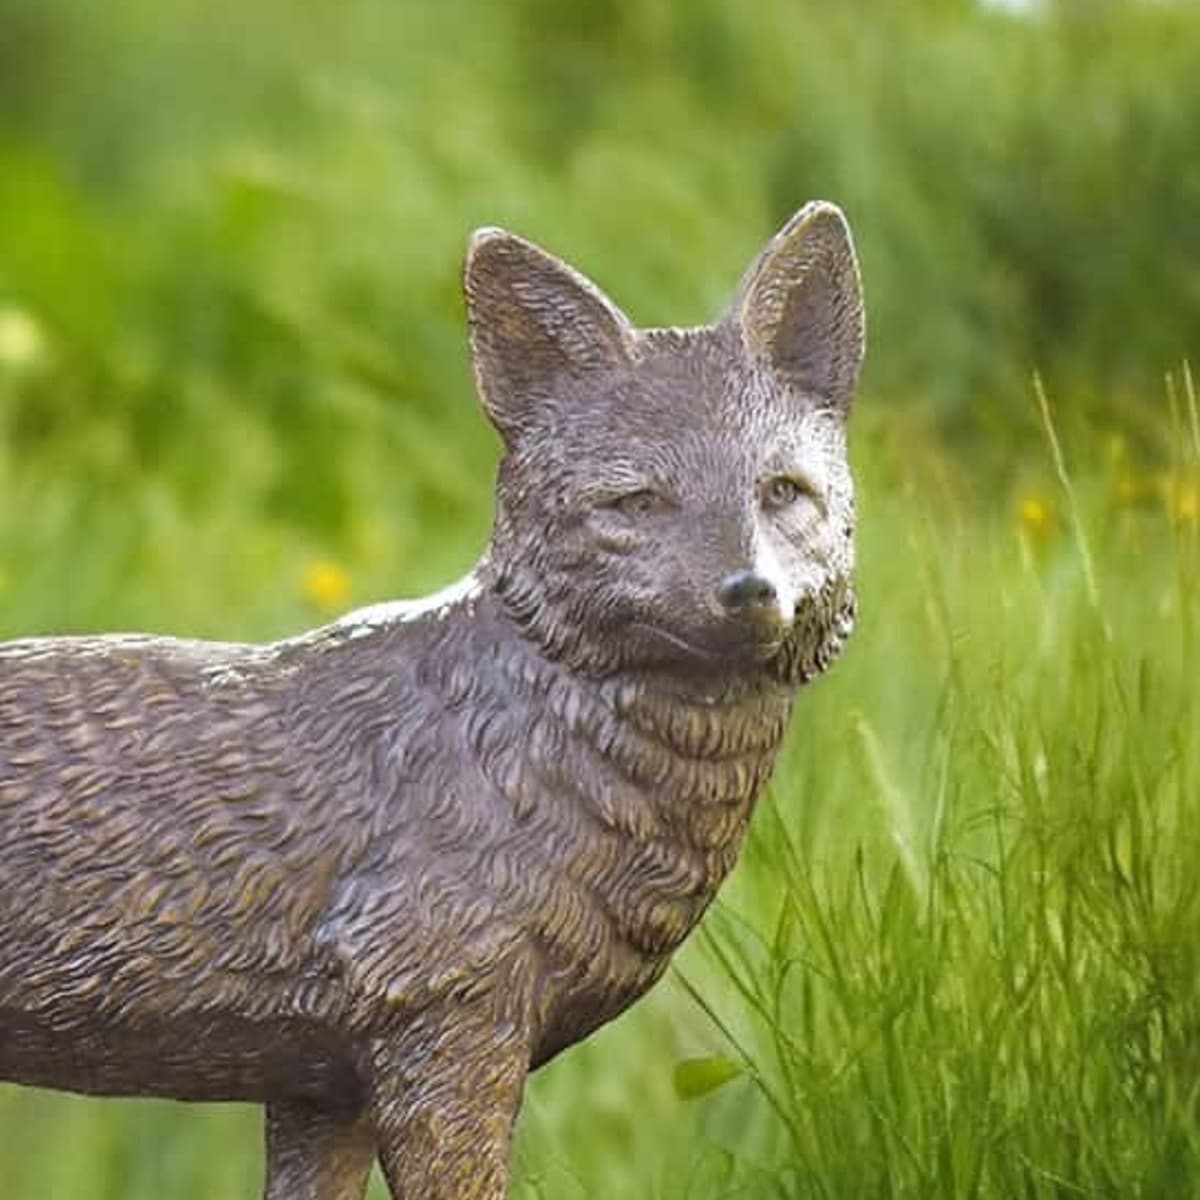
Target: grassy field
<point>960,955</point>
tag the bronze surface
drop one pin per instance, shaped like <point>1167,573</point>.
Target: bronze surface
<point>372,875</point>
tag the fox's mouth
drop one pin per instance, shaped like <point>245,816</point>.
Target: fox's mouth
<point>760,647</point>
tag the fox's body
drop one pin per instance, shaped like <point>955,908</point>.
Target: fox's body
<point>374,874</point>
<point>335,830</point>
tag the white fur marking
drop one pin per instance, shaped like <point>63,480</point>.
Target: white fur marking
<point>399,612</point>
<point>767,564</point>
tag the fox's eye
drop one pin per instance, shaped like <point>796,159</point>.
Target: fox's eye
<point>638,504</point>
<point>783,491</point>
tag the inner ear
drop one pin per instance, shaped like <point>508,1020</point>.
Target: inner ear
<point>799,307</point>
<point>535,325</point>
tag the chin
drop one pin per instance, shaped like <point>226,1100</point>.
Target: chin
<point>704,652</point>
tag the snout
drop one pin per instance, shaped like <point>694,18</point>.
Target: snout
<point>747,592</point>
<point>753,615</point>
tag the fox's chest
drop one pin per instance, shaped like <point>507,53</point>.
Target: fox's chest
<point>609,899</point>
<point>604,928</point>
<point>576,835</point>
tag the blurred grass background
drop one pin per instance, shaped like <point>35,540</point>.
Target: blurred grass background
<point>959,958</point>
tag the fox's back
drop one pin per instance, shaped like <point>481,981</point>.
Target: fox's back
<point>149,860</point>
<point>111,742</point>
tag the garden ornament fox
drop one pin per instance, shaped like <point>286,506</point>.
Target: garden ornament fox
<point>373,875</point>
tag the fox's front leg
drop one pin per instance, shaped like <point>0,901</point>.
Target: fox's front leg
<point>444,1098</point>
<point>315,1153</point>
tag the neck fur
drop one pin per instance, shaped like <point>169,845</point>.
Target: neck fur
<point>637,794</point>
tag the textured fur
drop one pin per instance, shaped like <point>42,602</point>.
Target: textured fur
<point>374,874</point>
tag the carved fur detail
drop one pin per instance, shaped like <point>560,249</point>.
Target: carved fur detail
<point>373,875</point>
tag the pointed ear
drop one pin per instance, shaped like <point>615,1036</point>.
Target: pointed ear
<point>799,307</point>
<point>533,323</point>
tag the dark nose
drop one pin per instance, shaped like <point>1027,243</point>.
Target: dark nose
<point>745,589</point>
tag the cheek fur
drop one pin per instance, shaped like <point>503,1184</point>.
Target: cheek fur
<point>607,534</point>
<point>802,554</point>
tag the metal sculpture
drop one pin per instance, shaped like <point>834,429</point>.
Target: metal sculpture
<point>373,875</point>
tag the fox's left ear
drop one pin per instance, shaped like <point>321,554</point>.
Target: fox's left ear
<point>536,325</point>
<point>799,307</point>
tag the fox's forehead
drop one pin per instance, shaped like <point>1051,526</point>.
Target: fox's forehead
<point>689,406</point>
<point>690,368</point>
<point>702,376</point>
<point>695,387</point>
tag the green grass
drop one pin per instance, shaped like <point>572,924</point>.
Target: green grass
<point>959,955</point>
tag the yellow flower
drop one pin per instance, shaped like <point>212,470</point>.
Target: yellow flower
<point>325,585</point>
<point>1035,516</point>
<point>1183,500</point>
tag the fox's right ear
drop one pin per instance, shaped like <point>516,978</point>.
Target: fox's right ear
<point>534,322</point>
<point>799,308</point>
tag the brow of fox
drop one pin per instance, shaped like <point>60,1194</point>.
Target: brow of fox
<point>604,495</point>
<point>806,469</point>
<point>602,492</point>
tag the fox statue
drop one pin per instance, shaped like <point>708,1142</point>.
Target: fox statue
<point>373,875</point>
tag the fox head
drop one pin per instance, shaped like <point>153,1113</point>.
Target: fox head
<point>674,500</point>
